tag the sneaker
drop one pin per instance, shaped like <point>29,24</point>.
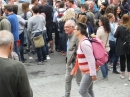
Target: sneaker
<point>116,72</point>
<point>122,77</point>
<point>40,63</point>
<point>48,57</point>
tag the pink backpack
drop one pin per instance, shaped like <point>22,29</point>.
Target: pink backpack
<point>99,51</point>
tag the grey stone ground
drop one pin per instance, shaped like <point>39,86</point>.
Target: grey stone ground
<point>48,80</point>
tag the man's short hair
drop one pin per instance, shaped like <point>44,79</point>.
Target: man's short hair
<point>15,9</point>
<point>6,38</point>
<point>43,1</point>
<point>8,7</point>
<point>71,1</point>
<point>32,1</point>
<point>85,6</point>
<point>35,9</point>
<point>71,22</point>
<point>61,4</point>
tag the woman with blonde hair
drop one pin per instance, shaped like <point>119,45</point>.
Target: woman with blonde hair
<point>123,35</point>
<point>113,57</point>
<point>68,14</point>
<point>83,19</point>
<point>27,14</point>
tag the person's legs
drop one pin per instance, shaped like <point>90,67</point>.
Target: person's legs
<point>39,54</point>
<point>123,64</point>
<point>91,91</point>
<point>86,86</point>
<point>49,33</point>
<point>43,49</point>
<point>128,65</point>
<point>21,37</point>
<point>104,70</point>
<point>16,49</point>
<point>115,58</point>
<point>68,79</point>
<point>46,46</point>
<point>78,77</point>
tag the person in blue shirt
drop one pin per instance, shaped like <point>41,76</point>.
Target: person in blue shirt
<point>8,10</point>
<point>113,58</point>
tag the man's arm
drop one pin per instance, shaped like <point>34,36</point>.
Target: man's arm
<point>23,83</point>
<point>6,25</point>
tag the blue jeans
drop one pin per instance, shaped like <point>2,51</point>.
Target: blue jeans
<point>40,51</point>
<point>63,41</point>
<point>112,54</point>
<point>21,37</point>
<point>104,70</point>
<point>46,46</point>
<point>16,49</point>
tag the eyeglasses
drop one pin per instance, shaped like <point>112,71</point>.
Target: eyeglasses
<point>68,26</point>
<point>75,29</point>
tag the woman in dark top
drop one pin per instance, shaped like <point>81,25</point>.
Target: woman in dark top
<point>103,8</point>
<point>124,53</point>
<point>117,14</point>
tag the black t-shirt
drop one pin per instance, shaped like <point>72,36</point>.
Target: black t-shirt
<point>13,79</point>
<point>48,10</point>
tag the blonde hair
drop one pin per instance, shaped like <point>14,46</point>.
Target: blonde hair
<point>82,19</point>
<point>25,7</point>
<point>69,14</point>
<point>126,21</point>
<point>110,15</point>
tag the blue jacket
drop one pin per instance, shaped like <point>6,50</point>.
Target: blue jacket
<point>14,26</point>
<point>111,37</point>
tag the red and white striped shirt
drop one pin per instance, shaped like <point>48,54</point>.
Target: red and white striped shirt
<point>86,58</point>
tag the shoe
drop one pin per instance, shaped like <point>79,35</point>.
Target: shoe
<point>45,60</point>
<point>48,57</point>
<point>116,72</point>
<point>36,60</point>
<point>122,77</point>
<point>64,53</point>
<point>105,79</point>
<point>58,50</point>
<point>40,63</point>
<point>33,52</point>
<point>23,60</point>
<point>26,51</point>
<point>51,52</point>
<point>129,79</point>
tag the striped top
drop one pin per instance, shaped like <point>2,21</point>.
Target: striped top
<point>86,58</point>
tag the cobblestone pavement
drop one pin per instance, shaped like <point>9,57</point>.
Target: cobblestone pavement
<point>48,80</point>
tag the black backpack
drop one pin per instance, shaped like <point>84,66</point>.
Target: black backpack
<point>126,43</point>
<point>60,23</point>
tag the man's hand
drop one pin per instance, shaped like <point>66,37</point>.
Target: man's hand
<point>93,35</point>
<point>94,78</point>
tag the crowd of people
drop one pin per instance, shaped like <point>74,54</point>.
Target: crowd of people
<point>74,22</point>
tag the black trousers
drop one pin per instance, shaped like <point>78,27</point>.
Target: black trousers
<point>123,59</point>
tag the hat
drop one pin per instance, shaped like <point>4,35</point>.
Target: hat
<point>77,10</point>
<point>104,3</point>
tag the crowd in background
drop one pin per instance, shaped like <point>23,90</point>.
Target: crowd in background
<point>109,20</point>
